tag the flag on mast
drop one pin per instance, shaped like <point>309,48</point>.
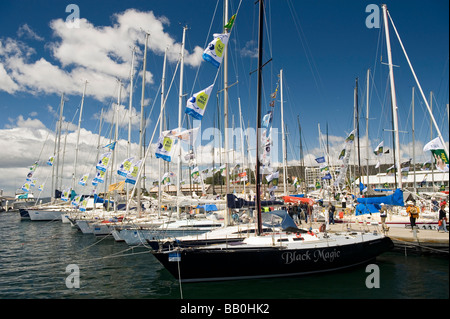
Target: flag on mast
<point>196,105</point>
<point>214,52</point>
<point>440,157</point>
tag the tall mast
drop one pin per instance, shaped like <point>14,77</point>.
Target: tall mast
<point>431,137</point>
<point>393,96</point>
<point>161,129</point>
<point>99,135</point>
<point>414,141</point>
<point>283,136</point>
<point>302,162</point>
<point>130,108</point>
<point>180,106</point>
<point>258,119</point>
<point>225,106</point>
<point>78,137</point>
<point>141,129</point>
<point>130,105</point>
<point>242,139</point>
<point>357,129</point>
<point>57,142</point>
<point>367,127</point>
<point>116,136</point>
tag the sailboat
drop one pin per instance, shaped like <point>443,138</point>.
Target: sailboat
<point>264,255</point>
<point>371,204</point>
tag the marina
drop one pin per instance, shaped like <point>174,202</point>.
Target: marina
<point>172,198</point>
<point>35,256</point>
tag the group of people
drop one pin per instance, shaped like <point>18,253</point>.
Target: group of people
<point>299,212</point>
<point>303,211</point>
<point>413,212</point>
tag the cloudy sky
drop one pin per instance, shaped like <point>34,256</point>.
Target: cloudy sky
<point>322,47</point>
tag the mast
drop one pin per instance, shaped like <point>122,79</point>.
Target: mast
<point>130,107</point>
<point>180,106</point>
<point>431,137</point>
<point>99,135</point>
<point>302,162</point>
<point>414,141</point>
<point>357,131</point>
<point>258,119</point>
<point>225,106</point>
<point>163,80</point>
<point>367,126</point>
<point>242,140</point>
<point>283,136</point>
<point>141,129</point>
<point>57,142</point>
<point>116,136</point>
<point>78,136</point>
<point>393,97</point>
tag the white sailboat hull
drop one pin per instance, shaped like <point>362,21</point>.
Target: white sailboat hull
<point>44,215</point>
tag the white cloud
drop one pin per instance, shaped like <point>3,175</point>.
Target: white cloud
<point>110,115</point>
<point>98,54</point>
<point>250,50</point>
<point>6,83</point>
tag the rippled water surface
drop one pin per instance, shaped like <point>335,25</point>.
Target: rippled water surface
<point>34,257</point>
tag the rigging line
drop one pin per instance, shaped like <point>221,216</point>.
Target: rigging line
<point>299,29</point>
<point>418,84</point>
<point>138,177</point>
<point>204,45</point>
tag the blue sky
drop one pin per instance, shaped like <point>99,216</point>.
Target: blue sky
<point>322,47</point>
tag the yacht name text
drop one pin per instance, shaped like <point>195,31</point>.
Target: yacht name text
<point>315,256</point>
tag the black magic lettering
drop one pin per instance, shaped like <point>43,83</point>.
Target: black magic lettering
<point>322,255</point>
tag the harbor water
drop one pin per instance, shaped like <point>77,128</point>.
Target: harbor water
<point>36,258</point>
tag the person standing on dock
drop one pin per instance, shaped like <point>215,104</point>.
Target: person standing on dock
<point>383,215</point>
<point>442,219</point>
<point>413,212</point>
<point>331,210</point>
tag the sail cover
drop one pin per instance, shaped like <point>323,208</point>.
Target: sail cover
<point>363,209</point>
<point>235,202</point>
<point>286,220</point>
<point>295,199</point>
<point>395,199</point>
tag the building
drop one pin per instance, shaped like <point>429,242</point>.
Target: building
<point>424,181</point>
